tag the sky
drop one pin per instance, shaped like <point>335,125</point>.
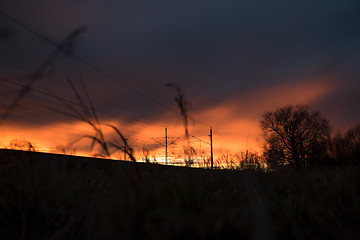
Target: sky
<point>233,60</point>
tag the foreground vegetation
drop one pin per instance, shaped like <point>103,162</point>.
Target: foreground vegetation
<point>47,196</point>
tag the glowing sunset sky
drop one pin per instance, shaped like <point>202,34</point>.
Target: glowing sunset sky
<point>234,60</point>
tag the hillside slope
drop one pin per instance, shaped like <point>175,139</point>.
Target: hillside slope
<point>48,196</point>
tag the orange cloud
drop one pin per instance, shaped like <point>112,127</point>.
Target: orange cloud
<point>235,122</point>
<point>237,118</point>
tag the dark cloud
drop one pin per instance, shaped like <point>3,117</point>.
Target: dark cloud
<point>214,49</point>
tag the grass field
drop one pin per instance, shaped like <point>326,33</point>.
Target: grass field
<point>47,196</point>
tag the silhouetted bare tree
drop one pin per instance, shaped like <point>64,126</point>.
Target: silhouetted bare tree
<point>345,147</point>
<point>295,136</point>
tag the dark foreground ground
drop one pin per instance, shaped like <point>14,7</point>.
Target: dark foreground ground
<point>46,196</point>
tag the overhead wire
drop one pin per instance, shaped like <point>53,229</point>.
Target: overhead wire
<point>90,65</point>
<point>32,102</point>
<point>29,122</point>
<point>152,119</point>
<point>84,61</point>
<point>98,69</point>
<point>71,101</point>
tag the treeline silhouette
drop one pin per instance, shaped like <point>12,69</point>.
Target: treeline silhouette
<point>344,148</point>
<point>299,138</point>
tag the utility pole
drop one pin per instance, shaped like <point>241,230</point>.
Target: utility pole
<point>211,146</point>
<point>166,144</point>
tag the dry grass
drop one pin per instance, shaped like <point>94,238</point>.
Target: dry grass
<point>46,196</point>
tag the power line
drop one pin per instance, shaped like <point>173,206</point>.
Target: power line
<point>155,120</point>
<point>84,61</point>
<point>63,47</point>
<point>91,65</point>
<point>70,101</point>
<point>21,71</point>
